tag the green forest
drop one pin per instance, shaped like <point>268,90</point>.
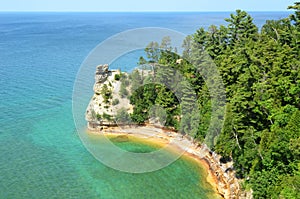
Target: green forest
<point>260,74</point>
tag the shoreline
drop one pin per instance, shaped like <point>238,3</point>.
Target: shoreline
<point>216,175</point>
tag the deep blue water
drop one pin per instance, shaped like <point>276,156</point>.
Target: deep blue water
<point>41,155</point>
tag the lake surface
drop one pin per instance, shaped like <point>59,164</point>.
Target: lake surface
<point>41,155</point>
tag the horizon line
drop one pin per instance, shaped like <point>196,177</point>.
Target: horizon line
<point>146,11</point>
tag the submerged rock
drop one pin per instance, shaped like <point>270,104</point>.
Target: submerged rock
<point>121,138</point>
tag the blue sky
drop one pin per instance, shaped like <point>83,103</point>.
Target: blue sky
<point>144,5</point>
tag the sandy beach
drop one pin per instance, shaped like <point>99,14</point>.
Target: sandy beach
<point>166,138</point>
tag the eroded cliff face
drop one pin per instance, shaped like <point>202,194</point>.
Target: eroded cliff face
<point>106,100</point>
<point>228,185</point>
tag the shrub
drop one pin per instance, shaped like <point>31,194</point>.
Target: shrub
<point>117,77</point>
<point>106,116</point>
<point>122,116</point>
<point>123,91</point>
<point>98,116</point>
<point>115,102</point>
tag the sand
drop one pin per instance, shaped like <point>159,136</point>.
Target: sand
<point>163,138</point>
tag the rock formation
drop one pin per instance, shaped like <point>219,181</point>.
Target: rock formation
<point>228,185</point>
<point>101,110</point>
<point>101,73</point>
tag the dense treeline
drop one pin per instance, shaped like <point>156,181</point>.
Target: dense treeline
<point>261,76</point>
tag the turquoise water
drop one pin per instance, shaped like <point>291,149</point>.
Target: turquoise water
<point>41,155</point>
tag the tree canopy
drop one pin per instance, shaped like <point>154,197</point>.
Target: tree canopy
<point>260,71</point>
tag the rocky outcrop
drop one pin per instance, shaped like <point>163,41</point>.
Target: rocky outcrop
<point>102,110</point>
<point>101,73</point>
<point>228,185</point>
